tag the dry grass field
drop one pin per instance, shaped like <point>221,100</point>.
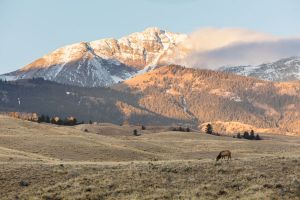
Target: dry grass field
<point>105,161</point>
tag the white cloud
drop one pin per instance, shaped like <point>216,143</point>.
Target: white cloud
<point>212,48</point>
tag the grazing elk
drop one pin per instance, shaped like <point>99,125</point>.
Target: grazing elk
<point>224,154</point>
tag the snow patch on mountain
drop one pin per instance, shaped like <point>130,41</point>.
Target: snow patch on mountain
<point>7,78</point>
<point>287,69</point>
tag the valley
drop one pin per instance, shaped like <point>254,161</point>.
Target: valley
<point>41,161</point>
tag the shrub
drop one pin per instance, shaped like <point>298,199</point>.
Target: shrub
<point>180,129</point>
<point>143,127</point>
<point>60,122</point>
<point>135,132</point>
<point>239,136</point>
<point>257,137</point>
<point>71,121</point>
<point>24,183</point>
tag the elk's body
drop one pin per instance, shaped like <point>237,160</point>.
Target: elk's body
<point>223,155</point>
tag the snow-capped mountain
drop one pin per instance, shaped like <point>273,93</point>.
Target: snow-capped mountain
<point>75,64</point>
<point>139,49</point>
<point>101,62</point>
<point>287,69</point>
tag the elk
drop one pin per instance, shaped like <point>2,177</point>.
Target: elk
<point>224,154</point>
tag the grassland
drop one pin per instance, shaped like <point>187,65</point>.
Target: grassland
<point>41,161</point>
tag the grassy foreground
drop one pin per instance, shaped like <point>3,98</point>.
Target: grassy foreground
<point>39,161</point>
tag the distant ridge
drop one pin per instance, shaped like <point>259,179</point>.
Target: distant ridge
<point>286,69</point>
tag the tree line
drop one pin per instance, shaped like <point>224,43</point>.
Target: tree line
<point>68,121</point>
<point>246,134</point>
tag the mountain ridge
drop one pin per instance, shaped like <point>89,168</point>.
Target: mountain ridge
<point>101,62</point>
<point>109,61</point>
<point>165,96</point>
<point>285,69</point>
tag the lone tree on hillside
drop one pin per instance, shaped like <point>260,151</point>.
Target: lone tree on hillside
<point>209,129</point>
<point>252,136</point>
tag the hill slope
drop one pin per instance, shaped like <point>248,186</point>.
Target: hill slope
<point>203,95</point>
<point>166,95</point>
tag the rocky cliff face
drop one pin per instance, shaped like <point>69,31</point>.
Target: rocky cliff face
<point>139,49</point>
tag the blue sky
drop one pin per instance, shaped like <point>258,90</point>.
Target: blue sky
<point>32,28</point>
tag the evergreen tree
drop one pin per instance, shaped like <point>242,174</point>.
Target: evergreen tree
<point>66,121</point>
<point>246,135</point>
<point>239,136</point>
<point>74,121</point>
<point>209,129</point>
<point>252,136</point>
<point>47,120</point>
<point>53,120</point>
<point>60,122</point>
<point>41,119</point>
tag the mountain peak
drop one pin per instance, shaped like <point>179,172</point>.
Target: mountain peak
<point>154,29</point>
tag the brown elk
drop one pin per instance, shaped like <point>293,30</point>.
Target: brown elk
<point>224,154</point>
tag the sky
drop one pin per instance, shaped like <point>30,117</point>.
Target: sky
<point>31,28</point>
